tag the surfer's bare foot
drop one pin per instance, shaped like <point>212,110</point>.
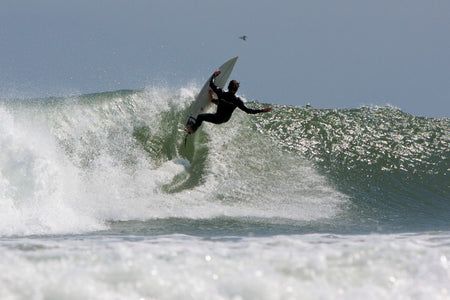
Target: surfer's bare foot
<point>189,129</point>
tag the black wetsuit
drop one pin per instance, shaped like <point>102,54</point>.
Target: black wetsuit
<point>226,104</point>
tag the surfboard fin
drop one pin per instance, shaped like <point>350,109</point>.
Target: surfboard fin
<point>185,139</point>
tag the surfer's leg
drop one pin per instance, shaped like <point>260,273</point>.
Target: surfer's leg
<point>212,118</point>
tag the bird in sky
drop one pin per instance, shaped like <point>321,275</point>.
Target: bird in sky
<point>244,37</point>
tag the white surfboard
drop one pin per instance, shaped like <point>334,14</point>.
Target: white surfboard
<point>202,102</point>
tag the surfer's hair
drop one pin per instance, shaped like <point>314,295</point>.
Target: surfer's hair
<point>233,85</point>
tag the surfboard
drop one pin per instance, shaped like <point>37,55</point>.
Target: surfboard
<point>202,102</point>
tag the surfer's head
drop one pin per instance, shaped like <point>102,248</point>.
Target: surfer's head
<point>233,86</point>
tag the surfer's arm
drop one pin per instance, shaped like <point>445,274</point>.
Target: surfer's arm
<point>211,97</point>
<point>242,106</point>
<point>213,85</point>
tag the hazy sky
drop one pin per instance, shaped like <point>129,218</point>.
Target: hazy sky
<point>332,54</point>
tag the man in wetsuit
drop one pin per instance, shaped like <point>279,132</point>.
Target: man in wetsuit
<point>226,104</point>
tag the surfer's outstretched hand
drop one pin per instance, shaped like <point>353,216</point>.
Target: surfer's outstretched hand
<point>267,109</point>
<point>217,73</point>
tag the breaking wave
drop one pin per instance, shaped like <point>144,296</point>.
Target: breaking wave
<point>74,164</point>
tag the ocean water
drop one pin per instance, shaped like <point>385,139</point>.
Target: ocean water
<point>100,198</point>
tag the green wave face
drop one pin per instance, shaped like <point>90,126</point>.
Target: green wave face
<point>388,161</point>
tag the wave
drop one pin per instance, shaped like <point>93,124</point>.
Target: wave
<point>391,163</point>
<point>73,164</point>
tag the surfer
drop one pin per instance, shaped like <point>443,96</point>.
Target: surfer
<point>226,103</point>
